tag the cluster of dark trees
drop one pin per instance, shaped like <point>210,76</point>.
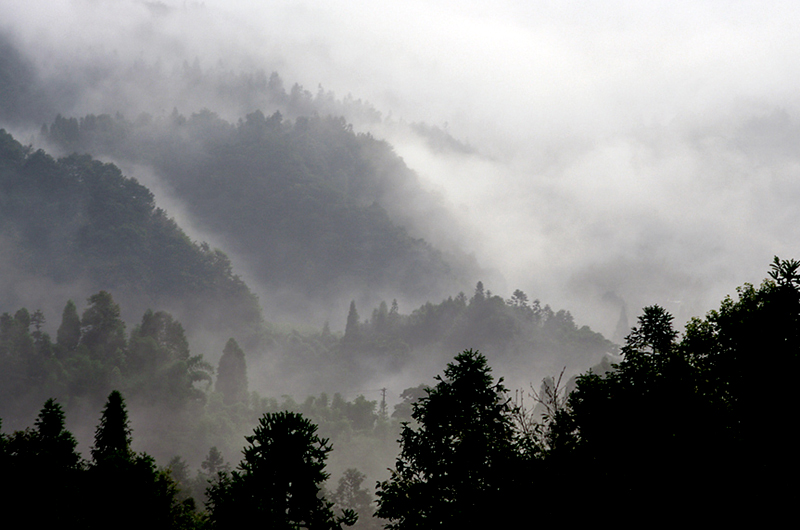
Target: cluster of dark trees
<point>678,429</point>
<point>682,429</point>
<point>279,483</point>
<point>47,483</point>
<point>93,354</point>
<point>522,335</point>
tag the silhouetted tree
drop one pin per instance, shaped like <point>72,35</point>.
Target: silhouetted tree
<point>112,438</point>
<point>124,482</point>
<point>44,455</point>
<point>278,484</point>
<point>459,459</point>
<point>55,445</point>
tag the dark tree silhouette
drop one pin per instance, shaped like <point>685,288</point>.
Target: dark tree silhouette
<point>56,445</point>
<point>278,484</point>
<point>459,459</point>
<point>688,427</point>
<point>44,455</point>
<point>125,489</point>
<point>112,438</point>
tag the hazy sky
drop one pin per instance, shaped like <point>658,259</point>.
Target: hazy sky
<point>645,150</point>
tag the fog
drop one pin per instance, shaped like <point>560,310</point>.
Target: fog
<point>624,151</point>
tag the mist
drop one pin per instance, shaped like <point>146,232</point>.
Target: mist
<point>625,152</point>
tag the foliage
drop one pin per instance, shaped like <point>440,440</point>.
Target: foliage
<point>459,458</point>
<point>69,332</point>
<point>279,481</point>
<point>118,488</point>
<point>56,445</point>
<point>349,495</point>
<point>160,365</point>
<point>681,411</point>
<point>112,439</point>
<point>77,219</point>
<point>313,207</point>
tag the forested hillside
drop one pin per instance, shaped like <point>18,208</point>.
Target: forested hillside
<point>305,204</point>
<point>74,224</point>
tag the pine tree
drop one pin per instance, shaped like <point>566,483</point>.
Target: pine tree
<point>69,332</point>
<point>126,489</point>
<point>112,439</point>
<point>232,374</point>
<point>56,445</point>
<point>351,330</point>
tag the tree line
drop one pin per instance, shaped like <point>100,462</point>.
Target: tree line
<point>678,429</point>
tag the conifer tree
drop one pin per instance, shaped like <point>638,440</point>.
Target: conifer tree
<point>56,445</point>
<point>351,330</point>
<point>232,374</point>
<point>69,332</point>
<point>112,437</point>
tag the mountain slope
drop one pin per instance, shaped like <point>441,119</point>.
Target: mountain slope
<point>303,202</point>
<point>75,225</point>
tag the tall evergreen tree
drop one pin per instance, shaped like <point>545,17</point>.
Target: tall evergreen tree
<point>351,330</point>
<point>44,455</point>
<point>232,374</point>
<point>112,438</point>
<point>126,489</point>
<point>69,332</point>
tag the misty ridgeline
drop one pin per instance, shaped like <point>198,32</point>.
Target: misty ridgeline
<point>151,378</point>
